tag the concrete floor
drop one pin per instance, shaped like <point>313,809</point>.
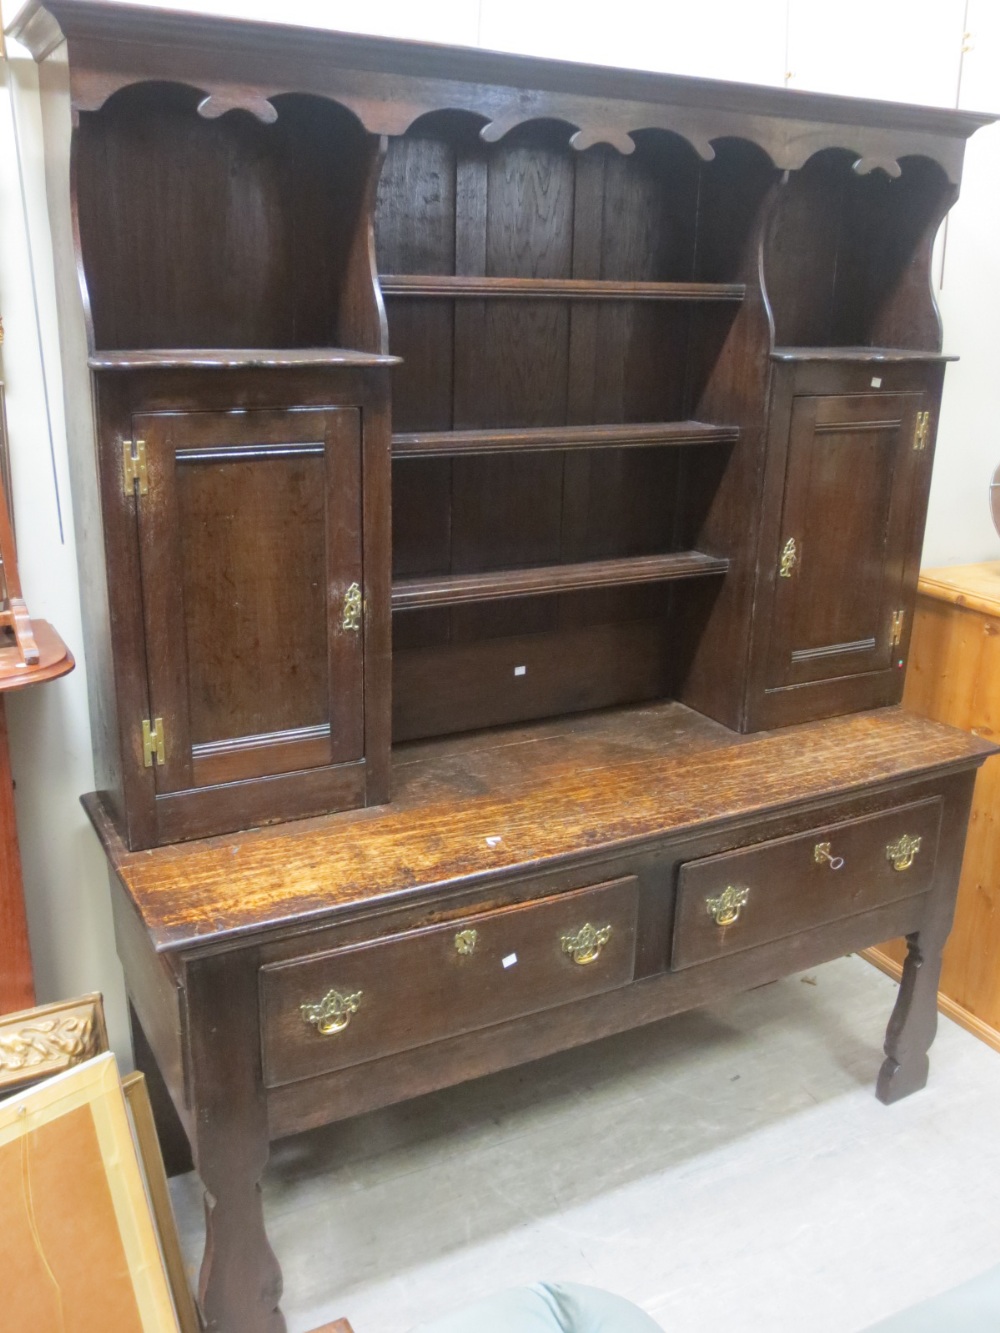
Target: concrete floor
<point>726,1169</point>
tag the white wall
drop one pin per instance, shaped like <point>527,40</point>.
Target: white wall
<point>908,50</point>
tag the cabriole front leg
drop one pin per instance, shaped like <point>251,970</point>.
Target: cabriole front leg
<point>240,1284</point>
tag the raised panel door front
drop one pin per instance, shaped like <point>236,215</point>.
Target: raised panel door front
<point>251,561</point>
<point>843,536</point>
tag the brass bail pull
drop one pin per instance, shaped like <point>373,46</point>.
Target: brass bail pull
<point>333,1013</point>
<point>901,852</point>
<point>585,945</point>
<point>725,910</point>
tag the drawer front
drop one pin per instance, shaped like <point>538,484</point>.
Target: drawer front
<point>349,1005</point>
<point>748,897</point>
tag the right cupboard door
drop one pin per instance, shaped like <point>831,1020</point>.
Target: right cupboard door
<point>843,544</point>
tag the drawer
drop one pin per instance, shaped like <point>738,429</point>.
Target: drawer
<point>747,897</point>
<point>348,1005</point>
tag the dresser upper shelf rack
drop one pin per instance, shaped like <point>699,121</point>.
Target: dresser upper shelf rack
<point>645,434</point>
<point>453,589</point>
<point>450,285</point>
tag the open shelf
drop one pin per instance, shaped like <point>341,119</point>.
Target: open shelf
<point>235,358</point>
<point>455,285</point>
<point>888,354</point>
<point>454,589</point>
<point>647,434</point>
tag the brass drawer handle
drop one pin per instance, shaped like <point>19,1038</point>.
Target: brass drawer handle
<point>466,941</point>
<point>725,910</point>
<point>821,853</point>
<point>333,1013</point>
<point>352,608</point>
<point>585,945</point>
<point>902,851</point>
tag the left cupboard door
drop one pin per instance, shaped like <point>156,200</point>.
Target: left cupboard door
<point>250,552</point>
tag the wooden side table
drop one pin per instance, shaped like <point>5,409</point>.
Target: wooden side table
<point>954,676</point>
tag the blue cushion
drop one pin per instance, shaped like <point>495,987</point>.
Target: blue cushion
<point>547,1307</point>
<point>974,1307</point>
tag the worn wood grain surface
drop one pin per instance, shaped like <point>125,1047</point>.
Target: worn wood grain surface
<point>545,791</point>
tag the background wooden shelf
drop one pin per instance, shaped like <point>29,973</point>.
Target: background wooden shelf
<point>857,354</point>
<point>452,589</point>
<point>456,285</point>
<point>420,444</point>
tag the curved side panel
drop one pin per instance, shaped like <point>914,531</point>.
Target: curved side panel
<point>81,273</point>
<point>363,322</point>
<point>910,317</point>
<point>846,261</point>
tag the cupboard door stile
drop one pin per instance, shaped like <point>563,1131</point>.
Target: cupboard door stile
<point>345,573</point>
<point>162,589</point>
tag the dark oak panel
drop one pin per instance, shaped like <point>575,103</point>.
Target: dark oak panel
<point>488,680</point>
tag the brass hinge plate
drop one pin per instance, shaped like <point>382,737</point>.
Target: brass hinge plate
<point>154,740</point>
<point>921,431</point>
<point>134,473</point>
<point>896,629</point>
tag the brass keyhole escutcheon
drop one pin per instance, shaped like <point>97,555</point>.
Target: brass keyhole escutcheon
<point>903,850</point>
<point>725,910</point>
<point>466,941</point>
<point>789,559</point>
<point>352,608</point>
<point>585,945</point>
<point>333,1013</point>
<point>822,852</point>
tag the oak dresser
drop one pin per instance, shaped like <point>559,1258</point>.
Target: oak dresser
<point>499,489</point>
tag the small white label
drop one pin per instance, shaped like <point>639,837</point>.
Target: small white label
<point>510,960</point>
<point>521,671</point>
<point>876,381</point>
<point>494,841</point>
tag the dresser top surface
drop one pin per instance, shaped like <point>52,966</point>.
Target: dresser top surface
<point>468,809</point>
<point>974,586</point>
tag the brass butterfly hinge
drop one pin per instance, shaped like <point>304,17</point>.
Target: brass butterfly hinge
<point>921,431</point>
<point>154,739</point>
<point>135,477</point>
